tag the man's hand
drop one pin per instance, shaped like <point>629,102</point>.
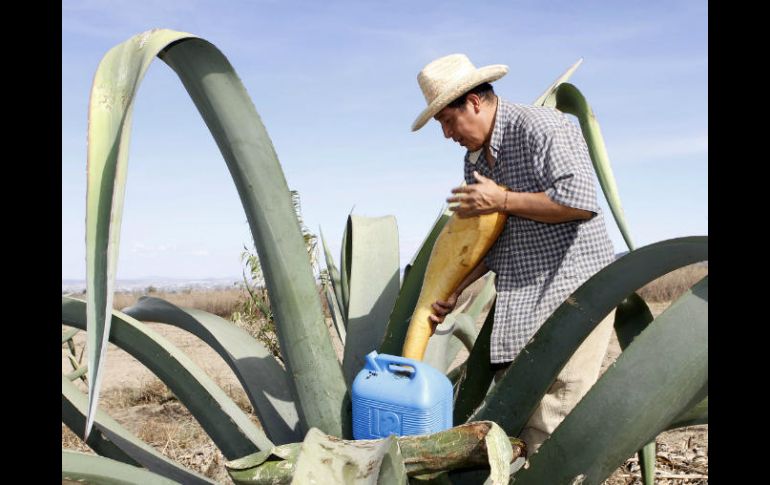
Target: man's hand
<point>483,197</point>
<point>443,308</point>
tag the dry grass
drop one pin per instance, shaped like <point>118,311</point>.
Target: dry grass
<point>219,302</point>
<point>671,286</point>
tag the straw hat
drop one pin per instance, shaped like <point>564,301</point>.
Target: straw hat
<point>447,78</point>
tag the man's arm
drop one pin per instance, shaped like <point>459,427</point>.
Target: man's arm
<point>486,197</point>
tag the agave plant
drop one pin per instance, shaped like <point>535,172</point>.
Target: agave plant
<point>303,404</point>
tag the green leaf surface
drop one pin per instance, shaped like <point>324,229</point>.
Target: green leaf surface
<point>334,276</point>
<point>699,414</point>
<point>570,100</point>
<point>474,383</point>
<point>398,321</point>
<point>110,439</point>
<point>652,382</point>
<point>263,379</point>
<point>109,126</point>
<point>229,427</point>
<point>459,328</point>
<point>336,313</point>
<point>374,285</point>
<point>215,89</point>
<point>548,96</point>
<point>92,469</point>
<point>513,399</point>
<point>324,459</point>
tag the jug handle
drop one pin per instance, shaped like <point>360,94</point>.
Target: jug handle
<point>388,359</point>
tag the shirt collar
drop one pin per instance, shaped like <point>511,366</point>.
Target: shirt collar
<point>495,140</point>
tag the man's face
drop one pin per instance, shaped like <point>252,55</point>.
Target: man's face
<point>464,126</point>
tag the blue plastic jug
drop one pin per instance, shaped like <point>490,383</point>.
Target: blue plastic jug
<point>396,395</point>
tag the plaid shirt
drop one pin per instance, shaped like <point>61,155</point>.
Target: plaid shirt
<point>538,265</point>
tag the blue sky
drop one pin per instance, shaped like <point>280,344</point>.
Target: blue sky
<point>335,85</point>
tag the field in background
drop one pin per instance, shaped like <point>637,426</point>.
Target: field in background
<point>149,410</point>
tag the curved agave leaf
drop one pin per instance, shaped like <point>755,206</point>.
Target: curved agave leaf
<point>374,285</point>
<point>657,376</point>
<point>345,256</point>
<point>398,322</point>
<point>699,414</point>
<point>262,377</point>
<point>570,100</point>
<point>631,317</point>
<point>323,459</point>
<point>473,384</point>
<point>110,439</point>
<point>516,395</point>
<point>270,467</point>
<point>109,118</point>
<point>546,99</point>
<point>67,335</point>
<point>229,427</point>
<point>85,468</point>
<point>77,373</point>
<point>337,318</point>
<point>237,129</point>
<point>458,328</point>
<point>334,276</point>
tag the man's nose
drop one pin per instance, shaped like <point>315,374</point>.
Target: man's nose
<point>447,132</point>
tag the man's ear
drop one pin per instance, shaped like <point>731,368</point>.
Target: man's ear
<point>475,102</point>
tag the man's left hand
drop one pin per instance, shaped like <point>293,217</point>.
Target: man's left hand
<point>483,197</point>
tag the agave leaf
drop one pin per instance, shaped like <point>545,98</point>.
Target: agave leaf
<point>324,459</point>
<point>337,318</point>
<point>653,381</point>
<point>85,468</point>
<point>237,129</point>
<point>269,467</point>
<point>647,462</point>
<point>699,414</point>
<point>374,285</point>
<point>334,276</point>
<point>546,99</point>
<point>474,383</point>
<point>262,377</point>
<point>67,335</point>
<point>110,439</point>
<point>77,373</point>
<point>109,123</point>
<point>631,317</point>
<point>459,328</point>
<point>570,100</point>
<point>482,444</point>
<point>229,427</point>
<point>457,373</point>
<point>398,322</point>
<point>345,257</point>
<point>517,394</point>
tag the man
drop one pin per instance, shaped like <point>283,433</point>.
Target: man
<point>554,238</point>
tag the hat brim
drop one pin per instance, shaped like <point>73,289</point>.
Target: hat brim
<point>482,75</point>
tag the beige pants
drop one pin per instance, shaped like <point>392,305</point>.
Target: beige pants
<point>572,383</point>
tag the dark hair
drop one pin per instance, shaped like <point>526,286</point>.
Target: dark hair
<point>484,91</point>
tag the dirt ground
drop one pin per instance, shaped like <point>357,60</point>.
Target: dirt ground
<point>135,398</point>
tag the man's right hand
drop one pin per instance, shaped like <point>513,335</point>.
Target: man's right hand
<point>442,308</point>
